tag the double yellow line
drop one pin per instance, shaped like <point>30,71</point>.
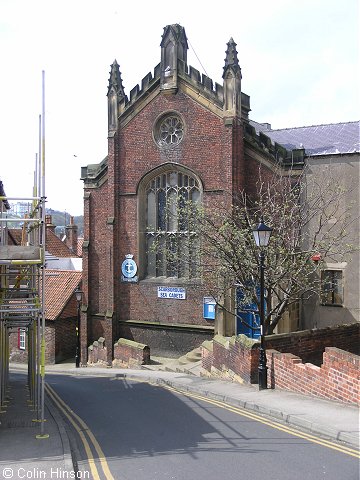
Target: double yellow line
<point>311,438</point>
<point>81,427</point>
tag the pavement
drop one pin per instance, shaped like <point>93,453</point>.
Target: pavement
<point>24,455</point>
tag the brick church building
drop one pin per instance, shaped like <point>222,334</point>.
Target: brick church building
<point>177,135</point>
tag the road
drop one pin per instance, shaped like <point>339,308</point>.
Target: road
<point>126,429</point>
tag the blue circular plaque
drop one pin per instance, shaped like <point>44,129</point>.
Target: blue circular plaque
<point>129,268</point>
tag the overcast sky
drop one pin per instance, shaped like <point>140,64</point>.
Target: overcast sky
<point>299,61</point>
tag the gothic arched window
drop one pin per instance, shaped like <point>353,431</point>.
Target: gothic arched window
<point>172,245</point>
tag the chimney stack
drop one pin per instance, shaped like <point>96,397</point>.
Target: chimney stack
<point>71,240</point>
<point>48,223</point>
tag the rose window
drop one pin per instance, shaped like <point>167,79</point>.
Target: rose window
<point>170,131</point>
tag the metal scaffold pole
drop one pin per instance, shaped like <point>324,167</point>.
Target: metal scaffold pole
<point>22,282</point>
<point>42,269</point>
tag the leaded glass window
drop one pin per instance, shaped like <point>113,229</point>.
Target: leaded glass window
<point>172,244</point>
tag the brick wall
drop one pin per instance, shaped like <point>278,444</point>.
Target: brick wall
<point>17,355</point>
<point>338,378</point>
<point>21,356</point>
<point>129,354</point>
<point>60,341</point>
<point>234,357</point>
<point>207,149</point>
<point>170,341</point>
<point>65,338</point>
<point>310,344</point>
<point>97,352</point>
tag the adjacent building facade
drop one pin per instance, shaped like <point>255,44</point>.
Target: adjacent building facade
<point>332,158</point>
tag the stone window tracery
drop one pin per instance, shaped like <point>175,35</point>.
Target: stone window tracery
<point>172,245</point>
<point>169,130</point>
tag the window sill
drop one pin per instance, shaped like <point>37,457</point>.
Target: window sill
<point>170,281</point>
<point>331,305</point>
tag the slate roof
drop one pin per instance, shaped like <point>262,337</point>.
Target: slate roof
<point>59,288</point>
<point>334,138</point>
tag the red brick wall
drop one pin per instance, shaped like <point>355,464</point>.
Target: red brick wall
<point>310,344</point>
<point>338,378</point>
<point>97,255</point>
<point>208,150</point>
<point>207,358</point>
<point>238,356</point>
<point>65,338</point>
<point>60,342</point>
<point>97,352</point>
<point>129,354</point>
<point>206,147</point>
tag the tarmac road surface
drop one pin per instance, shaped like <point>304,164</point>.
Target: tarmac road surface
<point>125,428</point>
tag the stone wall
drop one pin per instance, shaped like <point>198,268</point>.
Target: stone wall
<point>97,353</point>
<point>166,340</point>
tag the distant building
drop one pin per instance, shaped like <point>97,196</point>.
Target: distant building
<point>61,319</point>
<point>19,209</point>
<point>59,254</point>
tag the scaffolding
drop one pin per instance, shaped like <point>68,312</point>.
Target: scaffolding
<point>22,282</point>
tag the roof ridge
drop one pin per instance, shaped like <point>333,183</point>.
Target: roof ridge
<point>309,126</point>
<point>62,270</point>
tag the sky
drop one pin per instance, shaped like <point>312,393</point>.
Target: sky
<point>299,61</point>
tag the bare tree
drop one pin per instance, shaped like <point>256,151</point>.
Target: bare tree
<point>310,221</point>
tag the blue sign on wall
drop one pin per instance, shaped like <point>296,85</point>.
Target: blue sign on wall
<point>209,308</point>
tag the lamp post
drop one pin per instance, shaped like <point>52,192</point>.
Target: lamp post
<point>78,294</point>
<point>262,235</point>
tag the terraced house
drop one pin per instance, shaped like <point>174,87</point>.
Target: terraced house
<point>179,135</point>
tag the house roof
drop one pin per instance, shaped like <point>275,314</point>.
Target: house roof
<point>79,246</point>
<point>59,288</point>
<point>16,235</point>
<point>55,246</point>
<point>53,243</point>
<point>334,138</point>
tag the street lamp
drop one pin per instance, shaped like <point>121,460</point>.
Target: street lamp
<point>78,295</point>
<point>262,235</point>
